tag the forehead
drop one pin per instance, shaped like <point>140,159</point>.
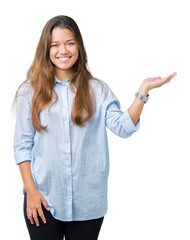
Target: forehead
<point>61,34</point>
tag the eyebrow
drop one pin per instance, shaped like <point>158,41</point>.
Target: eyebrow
<point>66,41</point>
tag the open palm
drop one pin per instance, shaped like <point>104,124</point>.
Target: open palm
<point>158,81</point>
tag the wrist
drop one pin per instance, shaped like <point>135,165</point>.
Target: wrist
<point>143,90</point>
<point>141,97</point>
<point>30,189</point>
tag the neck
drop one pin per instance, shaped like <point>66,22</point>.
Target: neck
<point>62,75</point>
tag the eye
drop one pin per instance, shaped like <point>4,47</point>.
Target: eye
<point>70,43</point>
<point>54,45</point>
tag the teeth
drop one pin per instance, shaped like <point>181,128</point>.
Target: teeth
<point>64,57</point>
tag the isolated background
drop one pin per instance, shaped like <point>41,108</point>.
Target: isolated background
<point>126,42</point>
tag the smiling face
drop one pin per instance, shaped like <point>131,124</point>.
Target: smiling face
<point>63,52</point>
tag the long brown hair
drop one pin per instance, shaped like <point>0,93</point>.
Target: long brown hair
<point>41,75</point>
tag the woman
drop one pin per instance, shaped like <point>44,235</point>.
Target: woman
<point>60,141</point>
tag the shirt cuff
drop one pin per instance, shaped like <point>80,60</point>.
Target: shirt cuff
<point>128,124</point>
<point>22,156</point>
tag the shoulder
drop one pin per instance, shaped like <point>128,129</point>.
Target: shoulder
<point>99,87</point>
<point>25,89</point>
<point>24,94</point>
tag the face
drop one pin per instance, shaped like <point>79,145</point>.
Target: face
<point>63,52</point>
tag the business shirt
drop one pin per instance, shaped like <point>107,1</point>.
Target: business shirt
<point>70,164</point>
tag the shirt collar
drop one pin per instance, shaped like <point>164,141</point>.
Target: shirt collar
<point>58,81</point>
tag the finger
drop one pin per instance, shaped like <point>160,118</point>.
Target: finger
<point>36,218</point>
<point>171,75</point>
<point>41,214</point>
<point>29,215</point>
<point>167,79</point>
<point>45,204</point>
<point>27,212</point>
<point>158,77</point>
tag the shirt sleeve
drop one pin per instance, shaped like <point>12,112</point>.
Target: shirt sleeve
<point>119,122</point>
<point>24,131</point>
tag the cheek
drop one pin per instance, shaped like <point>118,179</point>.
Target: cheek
<point>52,54</point>
<point>76,53</point>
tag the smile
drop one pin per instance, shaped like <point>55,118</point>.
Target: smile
<point>64,59</point>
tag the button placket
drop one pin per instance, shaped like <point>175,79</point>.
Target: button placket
<point>67,153</point>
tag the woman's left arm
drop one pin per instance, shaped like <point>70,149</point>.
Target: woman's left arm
<point>148,84</point>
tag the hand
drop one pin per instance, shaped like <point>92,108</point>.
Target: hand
<point>155,82</point>
<point>34,206</point>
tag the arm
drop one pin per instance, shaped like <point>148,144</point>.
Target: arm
<point>34,197</point>
<point>23,144</point>
<point>136,108</point>
<point>27,176</point>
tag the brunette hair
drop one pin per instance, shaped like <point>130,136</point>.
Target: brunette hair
<point>41,75</point>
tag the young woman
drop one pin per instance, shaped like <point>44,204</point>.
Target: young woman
<point>60,141</point>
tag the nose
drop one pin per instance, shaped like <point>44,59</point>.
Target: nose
<point>63,49</point>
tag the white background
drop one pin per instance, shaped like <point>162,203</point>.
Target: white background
<point>126,42</point>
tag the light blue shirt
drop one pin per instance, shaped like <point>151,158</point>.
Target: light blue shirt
<point>70,164</point>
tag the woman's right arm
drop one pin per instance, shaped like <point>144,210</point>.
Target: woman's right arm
<point>23,145</point>
<point>34,197</point>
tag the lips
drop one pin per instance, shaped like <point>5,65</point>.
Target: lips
<point>64,59</point>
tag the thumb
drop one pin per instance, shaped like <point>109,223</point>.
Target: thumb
<point>45,203</point>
